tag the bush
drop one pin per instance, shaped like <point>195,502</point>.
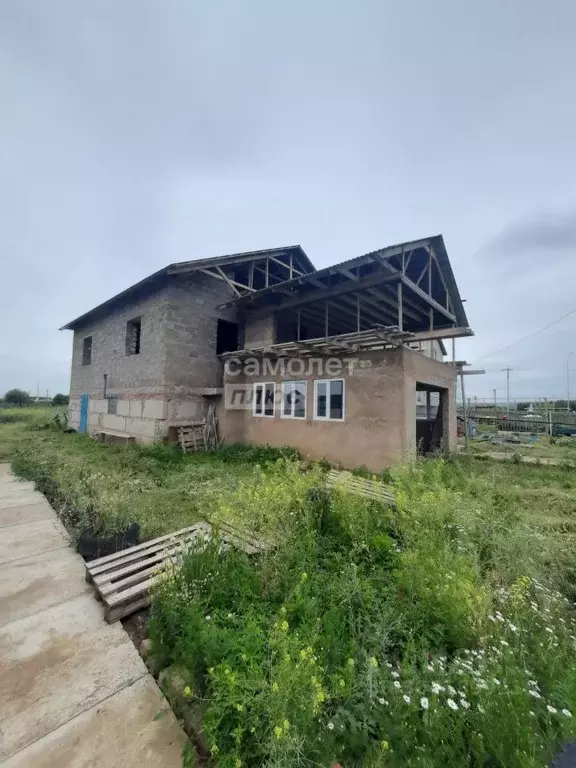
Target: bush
<point>60,399</point>
<point>17,397</point>
<point>366,642</point>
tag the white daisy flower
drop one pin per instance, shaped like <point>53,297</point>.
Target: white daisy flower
<point>406,699</point>
<point>534,694</point>
<point>396,684</point>
<point>551,709</point>
<point>481,709</point>
<point>566,713</point>
<point>437,688</point>
<point>330,726</point>
<point>424,703</point>
<point>395,675</point>
<point>452,704</point>
<point>452,690</point>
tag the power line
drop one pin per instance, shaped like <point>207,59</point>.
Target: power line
<point>530,336</point>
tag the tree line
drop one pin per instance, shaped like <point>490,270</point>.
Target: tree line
<point>21,398</point>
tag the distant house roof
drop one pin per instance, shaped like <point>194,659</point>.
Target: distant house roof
<point>183,267</point>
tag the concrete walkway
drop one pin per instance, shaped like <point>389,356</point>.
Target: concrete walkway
<point>74,691</point>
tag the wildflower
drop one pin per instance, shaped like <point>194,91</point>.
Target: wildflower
<point>284,626</point>
<point>395,675</point>
<point>275,687</point>
<point>382,701</point>
<point>430,667</point>
<point>396,684</point>
<point>240,707</point>
<point>451,690</point>
<point>406,699</point>
<point>278,732</point>
<point>373,662</point>
<point>237,763</point>
<point>437,688</point>
<point>350,662</point>
<point>551,709</point>
<point>208,618</point>
<point>424,703</point>
<point>452,704</point>
<point>496,680</point>
<point>187,692</point>
<point>481,709</point>
<point>304,576</point>
<point>330,726</point>
<point>385,746</point>
<point>504,643</point>
<point>389,665</point>
<point>534,694</point>
<point>465,704</point>
<point>286,724</point>
<point>342,683</point>
<point>566,713</point>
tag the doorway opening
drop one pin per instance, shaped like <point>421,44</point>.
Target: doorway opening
<point>431,414</point>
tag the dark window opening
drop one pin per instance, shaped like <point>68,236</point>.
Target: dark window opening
<point>226,337</point>
<point>87,351</point>
<point>112,405</point>
<point>133,335</point>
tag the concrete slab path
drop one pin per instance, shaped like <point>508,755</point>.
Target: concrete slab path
<point>74,691</point>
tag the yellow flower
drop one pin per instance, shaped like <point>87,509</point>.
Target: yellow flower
<point>284,626</point>
<point>286,725</point>
<point>373,662</point>
<point>275,687</point>
<point>304,576</point>
<point>240,707</point>
<point>350,662</point>
<point>187,692</point>
<point>237,763</point>
<point>385,746</point>
<point>214,749</point>
<point>278,732</point>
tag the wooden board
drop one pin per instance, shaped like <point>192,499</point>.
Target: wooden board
<point>372,489</point>
<point>124,580</point>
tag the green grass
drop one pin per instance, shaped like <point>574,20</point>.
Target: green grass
<point>556,448</point>
<point>442,634</point>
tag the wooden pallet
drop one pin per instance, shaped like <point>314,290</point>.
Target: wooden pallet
<point>372,489</point>
<point>125,579</point>
<point>200,435</point>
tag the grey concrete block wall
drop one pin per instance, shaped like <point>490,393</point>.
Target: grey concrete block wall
<point>193,311</point>
<point>143,373</point>
<point>161,386</point>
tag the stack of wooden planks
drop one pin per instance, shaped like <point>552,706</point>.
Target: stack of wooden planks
<point>125,579</point>
<point>201,435</point>
<point>372,489</point>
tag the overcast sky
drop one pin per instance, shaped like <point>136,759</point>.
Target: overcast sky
<point>138,133</point>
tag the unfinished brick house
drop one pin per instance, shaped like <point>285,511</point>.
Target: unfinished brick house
<point>344,363</point>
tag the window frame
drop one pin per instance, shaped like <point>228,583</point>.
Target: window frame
<point>328,395</point>
<point>87,358</point>
<point>294,383</point>
<point>263,384</point>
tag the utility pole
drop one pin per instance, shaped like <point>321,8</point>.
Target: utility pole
<point>507,369</point>
<point>568,382</point>
<point>494,393</point>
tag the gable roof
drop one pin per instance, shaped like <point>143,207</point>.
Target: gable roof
<point>308,286</point>
<point>184,267</point>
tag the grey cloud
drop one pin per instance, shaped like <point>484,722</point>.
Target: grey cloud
<point>551,233</point>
